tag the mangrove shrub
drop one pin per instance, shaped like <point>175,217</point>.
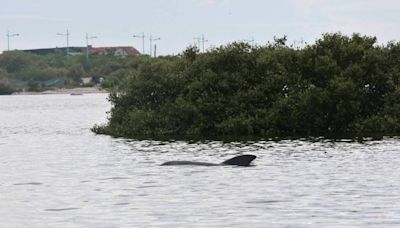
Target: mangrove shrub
<point>339,86</point>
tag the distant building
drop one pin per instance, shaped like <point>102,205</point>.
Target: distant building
<point>95,79</point>
<point>86,80</point>
<point>45,51</point>
<point>115,51</point>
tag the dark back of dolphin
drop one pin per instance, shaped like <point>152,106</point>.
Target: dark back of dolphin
<point>242,160</point>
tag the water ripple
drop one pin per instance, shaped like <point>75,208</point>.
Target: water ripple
<point>62,209</point>
<point>29,183</point>
<point>52,161</point>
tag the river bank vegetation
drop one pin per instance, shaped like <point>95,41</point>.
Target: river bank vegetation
<point>340,86</point>
<point>21,71</point>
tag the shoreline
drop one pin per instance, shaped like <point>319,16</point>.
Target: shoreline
<point>72,91</point>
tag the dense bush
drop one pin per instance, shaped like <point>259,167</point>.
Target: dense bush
<point>6,88</point>
<point>339,86</point>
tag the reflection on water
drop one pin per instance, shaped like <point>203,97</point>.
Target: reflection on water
<point>55,173</point>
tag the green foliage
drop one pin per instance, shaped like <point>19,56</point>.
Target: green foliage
<point>33,86</point>
<point>14,61</point>
<point>26,70</point>
<point>3,74</point>
<point>75,72</point>
<point>6,88</point>
<point>110,82</point>
<point>339,86</point>
<point>39,74</point>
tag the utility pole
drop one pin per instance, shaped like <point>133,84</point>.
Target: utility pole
<point>151,43</point>
<point>8,39</point>
<point>252,41</point>
<point>142,37</point>
<point>201,40</point>
<point>87,44</point>
<point>301,42</point>
<point>198,42</point>
<point>67,35</point>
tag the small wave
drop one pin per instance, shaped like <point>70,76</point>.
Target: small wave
<point>267,201</point>
<point>121,204</point>
<point>150,186</point>
<point>115,178</point>
<point>29,183</point>
<point>62,209</point>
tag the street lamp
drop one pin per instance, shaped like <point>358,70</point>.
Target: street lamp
<point>142,36</point>
<point>8,39</point>
<point>67,35</point>
<point>151,43</point>
<point>87,44</point>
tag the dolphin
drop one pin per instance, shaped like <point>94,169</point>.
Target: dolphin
<point>242,160</point>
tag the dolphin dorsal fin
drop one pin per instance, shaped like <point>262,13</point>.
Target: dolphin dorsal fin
<point>242,160</point>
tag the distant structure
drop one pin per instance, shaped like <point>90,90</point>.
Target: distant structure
<point>121,51</point>
<point>45,51</point>
<point>116,51</point>
<point>93,80</point>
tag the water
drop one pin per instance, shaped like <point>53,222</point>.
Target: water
<point>54,172</point>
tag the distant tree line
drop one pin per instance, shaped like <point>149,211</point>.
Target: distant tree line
<point>20,70</point>
<point>340,86</point>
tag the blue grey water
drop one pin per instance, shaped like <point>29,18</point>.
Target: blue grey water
<point>54,172</point>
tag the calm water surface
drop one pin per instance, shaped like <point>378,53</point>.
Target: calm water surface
<point>54,172</point>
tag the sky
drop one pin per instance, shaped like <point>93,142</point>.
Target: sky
<point>178,22</point>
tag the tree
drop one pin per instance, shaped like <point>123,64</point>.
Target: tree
<point>14,61</point>
<point>75,72</point>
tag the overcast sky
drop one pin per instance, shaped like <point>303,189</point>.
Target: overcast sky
<point>177,22</point>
